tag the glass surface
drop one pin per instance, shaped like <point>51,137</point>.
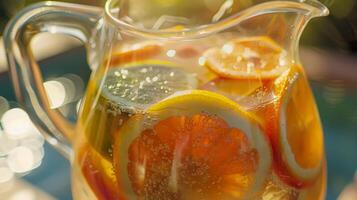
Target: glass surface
<point>337,115</point>
<point>175,114</point>
<point>187,106</point>
<point>208,140</point>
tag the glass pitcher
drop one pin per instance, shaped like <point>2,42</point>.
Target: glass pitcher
<point>202,99</point>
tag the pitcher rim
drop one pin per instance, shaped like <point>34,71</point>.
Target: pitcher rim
<point>311,8</point>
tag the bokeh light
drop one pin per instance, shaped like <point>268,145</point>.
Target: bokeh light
<point>5,174</point>
<point>64,90</point>
<point>35,141</point>
<point>21,144</point>
<point>350,192</point>
<point>56,93</point>
<point>6,144</point>
<point>25,194</point>
<point>16,123</point>
<point>21,159</point>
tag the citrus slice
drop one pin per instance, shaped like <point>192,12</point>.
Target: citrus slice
<point>234,89</point>
<point>317,190</point>
<point>135,52</point>
<point>248,93</point>
<point>296,132</point>
<point>275,189</point>
<point>127,91</point>
<point>192,145</point>
<point>98,174</point>
<point>247,58</point>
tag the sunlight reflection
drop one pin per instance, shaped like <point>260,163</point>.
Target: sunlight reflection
<point>78,106</point>
<point>202,61</point>
<point>228,48</point>
<point>171,53</point>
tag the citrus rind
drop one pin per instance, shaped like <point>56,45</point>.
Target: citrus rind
<point>188,103</point>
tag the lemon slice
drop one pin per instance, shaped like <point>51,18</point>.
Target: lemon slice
<point>192,145</point>
<point>297,138</point>
<point>248,58</point>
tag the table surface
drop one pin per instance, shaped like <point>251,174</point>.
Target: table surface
<point>339,118</point>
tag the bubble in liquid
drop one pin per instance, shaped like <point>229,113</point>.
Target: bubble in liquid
<point>171,53</point>
<point>258,98</point>
<point>276,190</point>
<point>144,85</point>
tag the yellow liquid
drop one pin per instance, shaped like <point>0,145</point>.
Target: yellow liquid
<point>95,176</point>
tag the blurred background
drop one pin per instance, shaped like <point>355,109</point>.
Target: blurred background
<point>31,169</point>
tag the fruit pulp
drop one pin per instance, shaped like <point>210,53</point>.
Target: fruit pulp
<point>171,123</point>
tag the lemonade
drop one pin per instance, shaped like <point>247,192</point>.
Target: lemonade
<point>215,120</point>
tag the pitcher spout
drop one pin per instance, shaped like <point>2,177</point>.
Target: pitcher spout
<point>315,8</point>
<point>282,21</point>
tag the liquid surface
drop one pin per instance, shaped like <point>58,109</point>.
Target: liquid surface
<point>208,120</point>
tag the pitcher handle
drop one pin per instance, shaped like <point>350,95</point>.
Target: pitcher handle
<point>54,17</point>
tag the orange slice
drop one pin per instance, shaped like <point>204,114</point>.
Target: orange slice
<point>275,189</point>
<point>248,58</point>
<point>192,145</point>
<point>135,52</point>
<point>296,132</point>
<point>234,89</point>
<point>248,93</point>
<point>317,190</point>
<point>98,174</point>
